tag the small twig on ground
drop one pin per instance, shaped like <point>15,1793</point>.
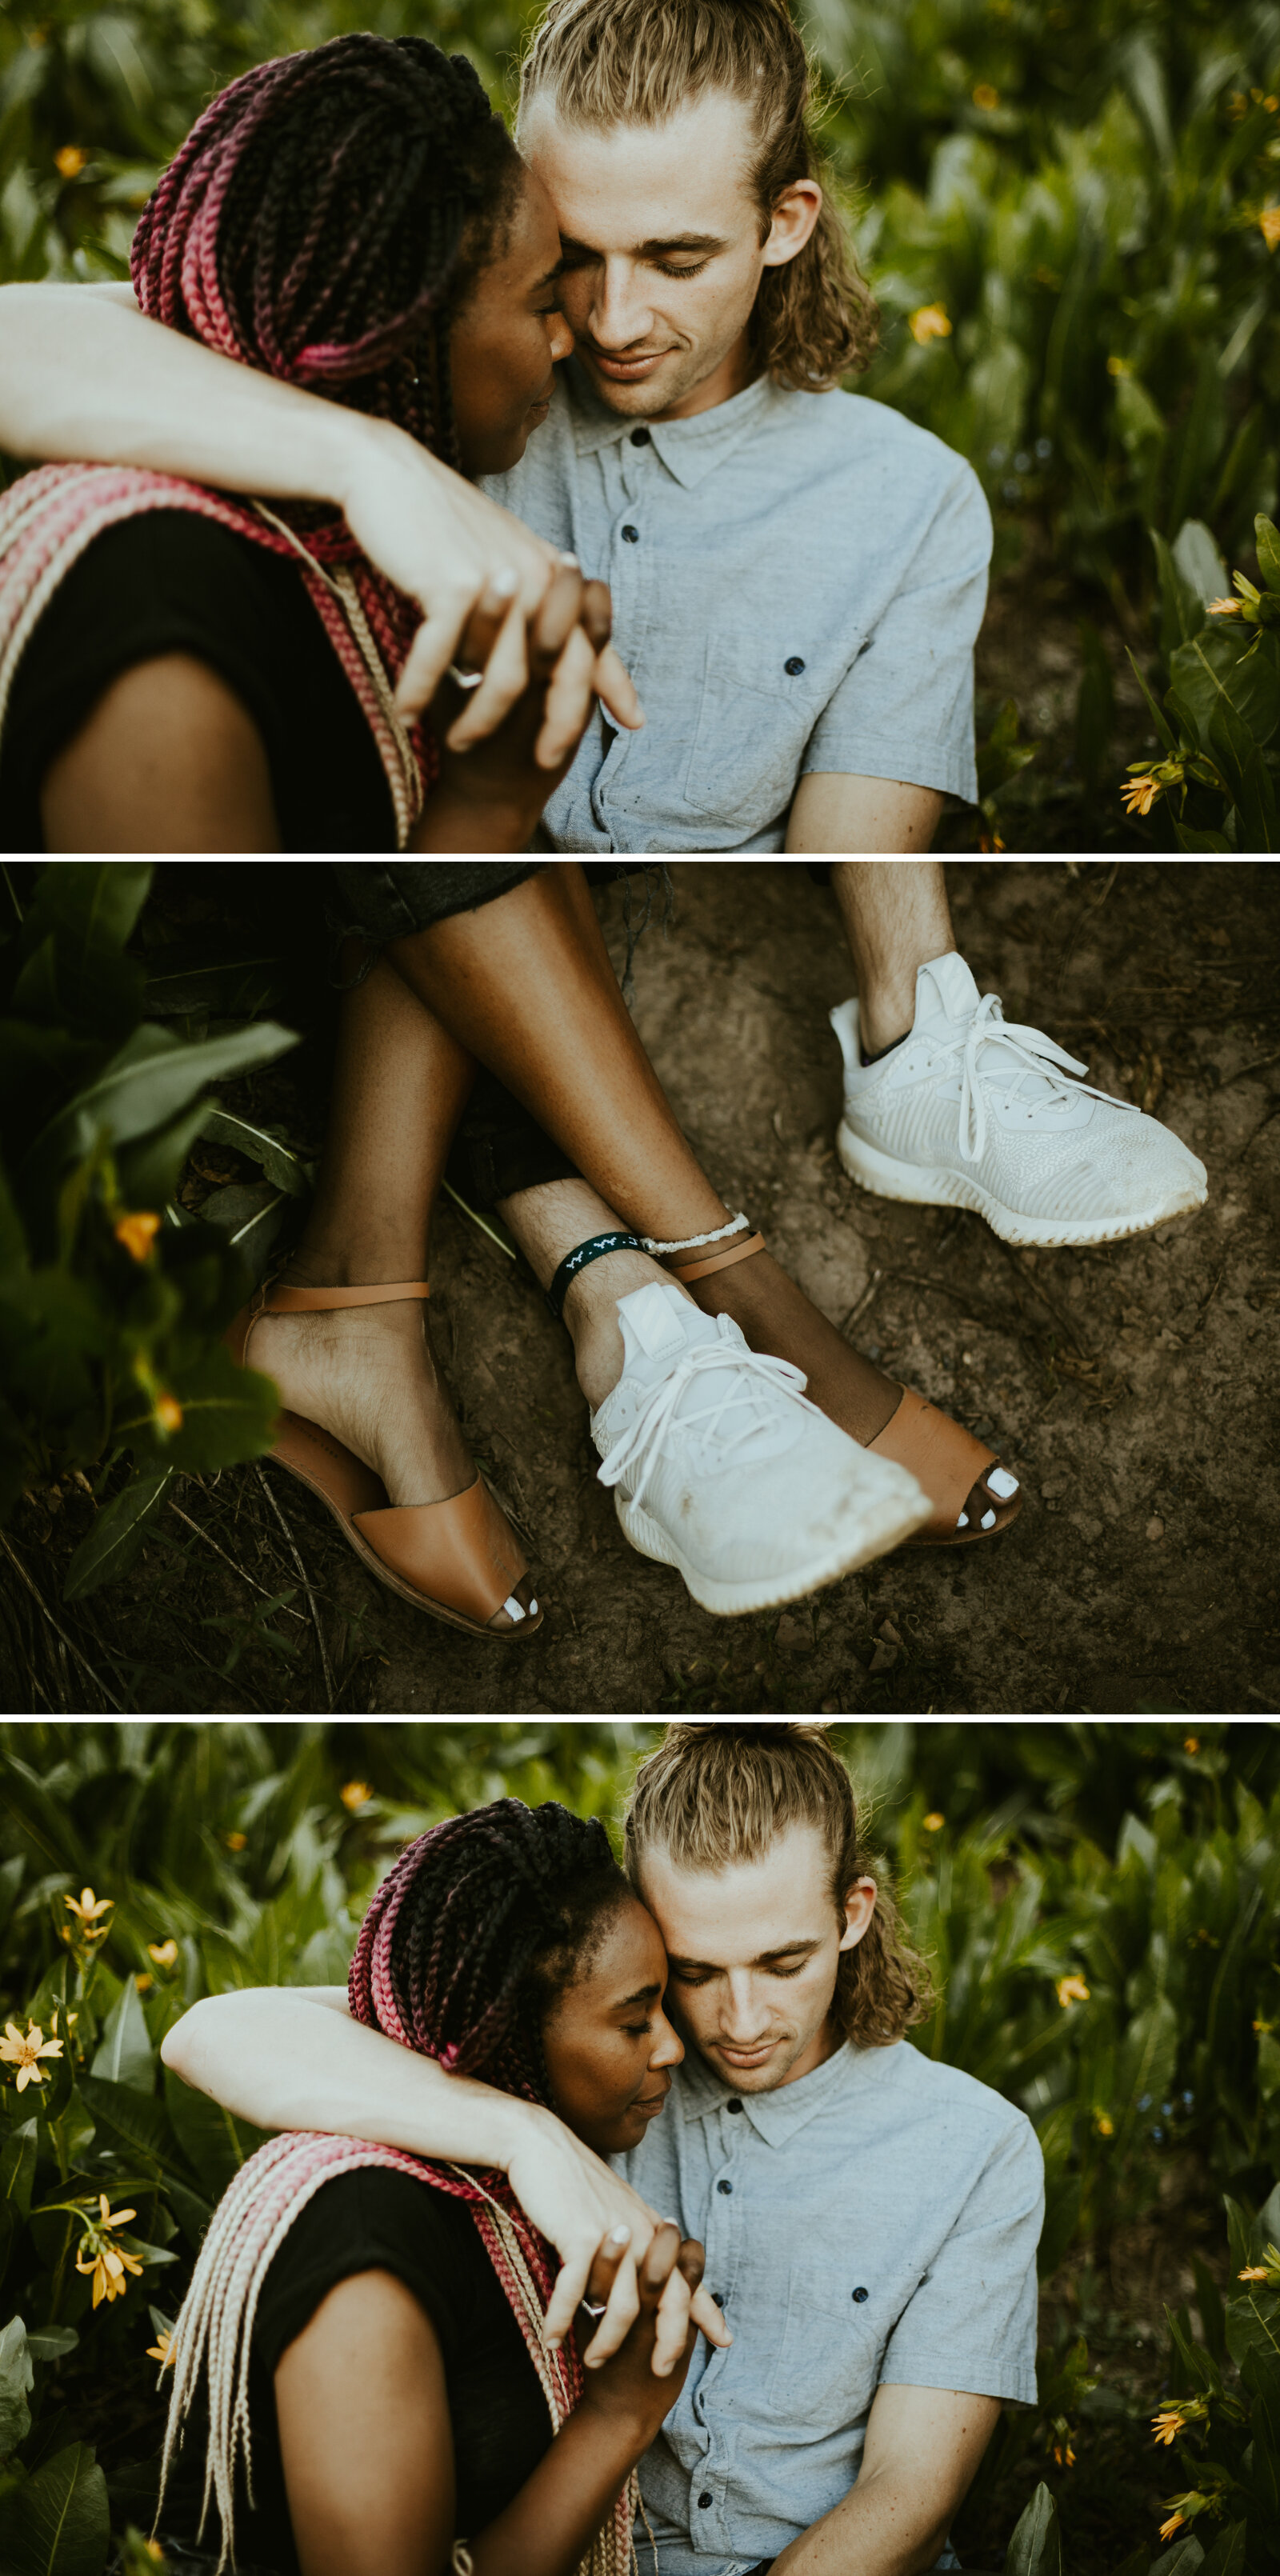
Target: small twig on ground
<point>303,1579</point>
<point>227,1560</point>
<point>865,1302</point>
<point>21,1571</point>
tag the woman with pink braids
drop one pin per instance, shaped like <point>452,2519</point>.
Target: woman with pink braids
<point>184,669</point>
<point>363,2345</point>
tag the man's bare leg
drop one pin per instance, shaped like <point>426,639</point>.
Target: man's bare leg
<point>549,1222</point>
<point>896,915</point>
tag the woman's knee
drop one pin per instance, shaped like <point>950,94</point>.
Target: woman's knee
<point>169,758</point>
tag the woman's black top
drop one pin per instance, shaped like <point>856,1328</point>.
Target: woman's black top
<point>375,2220</point>
<point>169,581</point>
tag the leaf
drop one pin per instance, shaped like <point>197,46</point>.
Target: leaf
<point>1226,2558</point>
<point>1253,2327</point>
<point>1183,2559</point>
<point>1036,2546</point>
<point>1182,612</point>
<point>90,903</point>
<point>139,2121</point>
<point>1168,738</point>
<point>1267,539</point>
<point>57,2522</point>
<point>117,1533</point>
<point>147,1084</point>
<point>262,1145</point>
<point>228,1414</point>
<point>211,2138</point>
<point>51,2343</point>
<point>1218,666</point>
<point>1199,563</point>
<point>148,1171</point>
<point>1213,2321</point>
<point>18,2167</point>
<point>124,2054</point>
<point>251,1218</point>
<point>17,2379</point>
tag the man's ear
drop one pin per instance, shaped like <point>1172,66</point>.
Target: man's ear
<point>859,1906</point>
<point>794,217</point>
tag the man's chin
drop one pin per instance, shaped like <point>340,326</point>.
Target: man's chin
<point>640,397</point>
<point>762,2076</point>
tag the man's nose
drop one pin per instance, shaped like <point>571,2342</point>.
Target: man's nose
<point>743,2016</point>
<point>619,313</point>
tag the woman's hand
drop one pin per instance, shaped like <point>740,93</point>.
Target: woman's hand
<point>630,2386</point>
<point>490,797</point>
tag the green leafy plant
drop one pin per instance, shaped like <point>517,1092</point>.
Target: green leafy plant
<point>110,1318</point>
<point>1222,706</point>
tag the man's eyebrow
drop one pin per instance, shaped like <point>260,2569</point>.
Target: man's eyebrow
<point>650,249</point>
<point>642,1995</point>
<point>781,1950</point>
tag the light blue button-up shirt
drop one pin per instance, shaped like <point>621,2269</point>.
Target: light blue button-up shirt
<point>797,579</point>
<point>874,2223</point>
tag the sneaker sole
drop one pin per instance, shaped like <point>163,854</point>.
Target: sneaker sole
<point>770,1591</point>
<point>926,1185</point>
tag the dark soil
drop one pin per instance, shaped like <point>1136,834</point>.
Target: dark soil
<point>1133,1388</point>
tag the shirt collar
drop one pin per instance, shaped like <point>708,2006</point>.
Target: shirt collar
<point>689,449</point>
<point>776,2117</point>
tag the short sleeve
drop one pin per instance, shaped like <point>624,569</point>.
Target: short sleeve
<point>904,709</point>
<point>971,2325</point>
<point>370,2221</point>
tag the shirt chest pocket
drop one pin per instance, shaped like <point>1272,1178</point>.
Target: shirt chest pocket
<point>828,2361</point>
<point>759,705</point>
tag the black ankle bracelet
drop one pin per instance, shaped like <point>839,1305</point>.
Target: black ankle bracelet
<point>579,1259</point>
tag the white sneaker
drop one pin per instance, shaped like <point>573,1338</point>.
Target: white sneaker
<point>724,1469</point>
<point>971,1111</point>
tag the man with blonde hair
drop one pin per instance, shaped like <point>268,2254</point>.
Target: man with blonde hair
<point>870,2216</point>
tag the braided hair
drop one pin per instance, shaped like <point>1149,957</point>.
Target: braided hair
<point>482,1922</point>
<point>325,218</point>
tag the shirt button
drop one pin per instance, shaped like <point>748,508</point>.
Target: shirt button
<point>706,2498</point>
<point>725,2187</point>
<point>733,2106</point>
<point>631,536</point>
<point>640,437</point>
<point>795,666</point>
<point>859,2296</point>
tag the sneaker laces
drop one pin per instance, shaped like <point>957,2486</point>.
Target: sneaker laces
<point>1040,1055</point>
<point>641,1444</point>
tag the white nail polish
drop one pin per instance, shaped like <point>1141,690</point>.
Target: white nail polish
<point>1000,1482</point>
<point>988,1521</point>
<point>963,1521</point>
<point>514,1609</point>
<point>505,585</point>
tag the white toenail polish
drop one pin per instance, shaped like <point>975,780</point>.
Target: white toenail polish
<point>963,1521</point>
<point>1001,1483</point>
<point>988,1521</point>
<point>514,1609</point>
<point>533,1609</point>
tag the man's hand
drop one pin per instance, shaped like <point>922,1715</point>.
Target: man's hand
<point>919,2460</point>
<point>575,2200</point>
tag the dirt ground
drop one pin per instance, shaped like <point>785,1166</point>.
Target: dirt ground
<point>1132,1388</point>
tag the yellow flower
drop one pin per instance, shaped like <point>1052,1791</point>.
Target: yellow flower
<point>235,1842</point>
<point>1140,795</point>
<point>1251,2272</point>
<point>144,1982</point>
<point>357,1793</point>
<point>136,1233</point>
<point>1064,2455</point>
<point>87,1910</point>
<point>108,2263</point>
<point>930,322</point>
<point>985,97</point>
<point>165,1953</point>
<point>25,2053</point>
<point>1106,2128</point>
<point>168,1413</point>
<point>1191,1744</point>
<point>154,2550</point>
<point>1226,608</point>
<point>1167,2425</point>
<point>160,2349</point>
<point>1119,367</point>
<point>933,1824</point>
<point>1269,226</point>
<point>1174,2523</point>
<point>69,163</point>
<point>1072,1990</point>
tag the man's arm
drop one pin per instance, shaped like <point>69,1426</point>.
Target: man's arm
<point>85,376</point>
<point>268,2054</point>
<point>921,2456</point>
<point>842,815</point>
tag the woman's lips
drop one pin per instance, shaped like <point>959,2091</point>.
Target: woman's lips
<point>650,2102</point>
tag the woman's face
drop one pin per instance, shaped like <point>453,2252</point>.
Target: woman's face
<point>507,338</point>
<point>609,2046</point>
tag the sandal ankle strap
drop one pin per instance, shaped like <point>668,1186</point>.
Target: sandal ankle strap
<point>273,1300</point>
<point>741,1251</point>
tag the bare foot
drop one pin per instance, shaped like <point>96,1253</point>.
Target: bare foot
<point>775,1315</point>
<point>368,1374</point>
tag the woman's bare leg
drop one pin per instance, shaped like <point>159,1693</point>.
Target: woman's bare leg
<point>368,1373</point>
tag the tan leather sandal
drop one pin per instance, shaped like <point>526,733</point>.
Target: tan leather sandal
<point>945,1458</point>
<point>459,1559</point>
